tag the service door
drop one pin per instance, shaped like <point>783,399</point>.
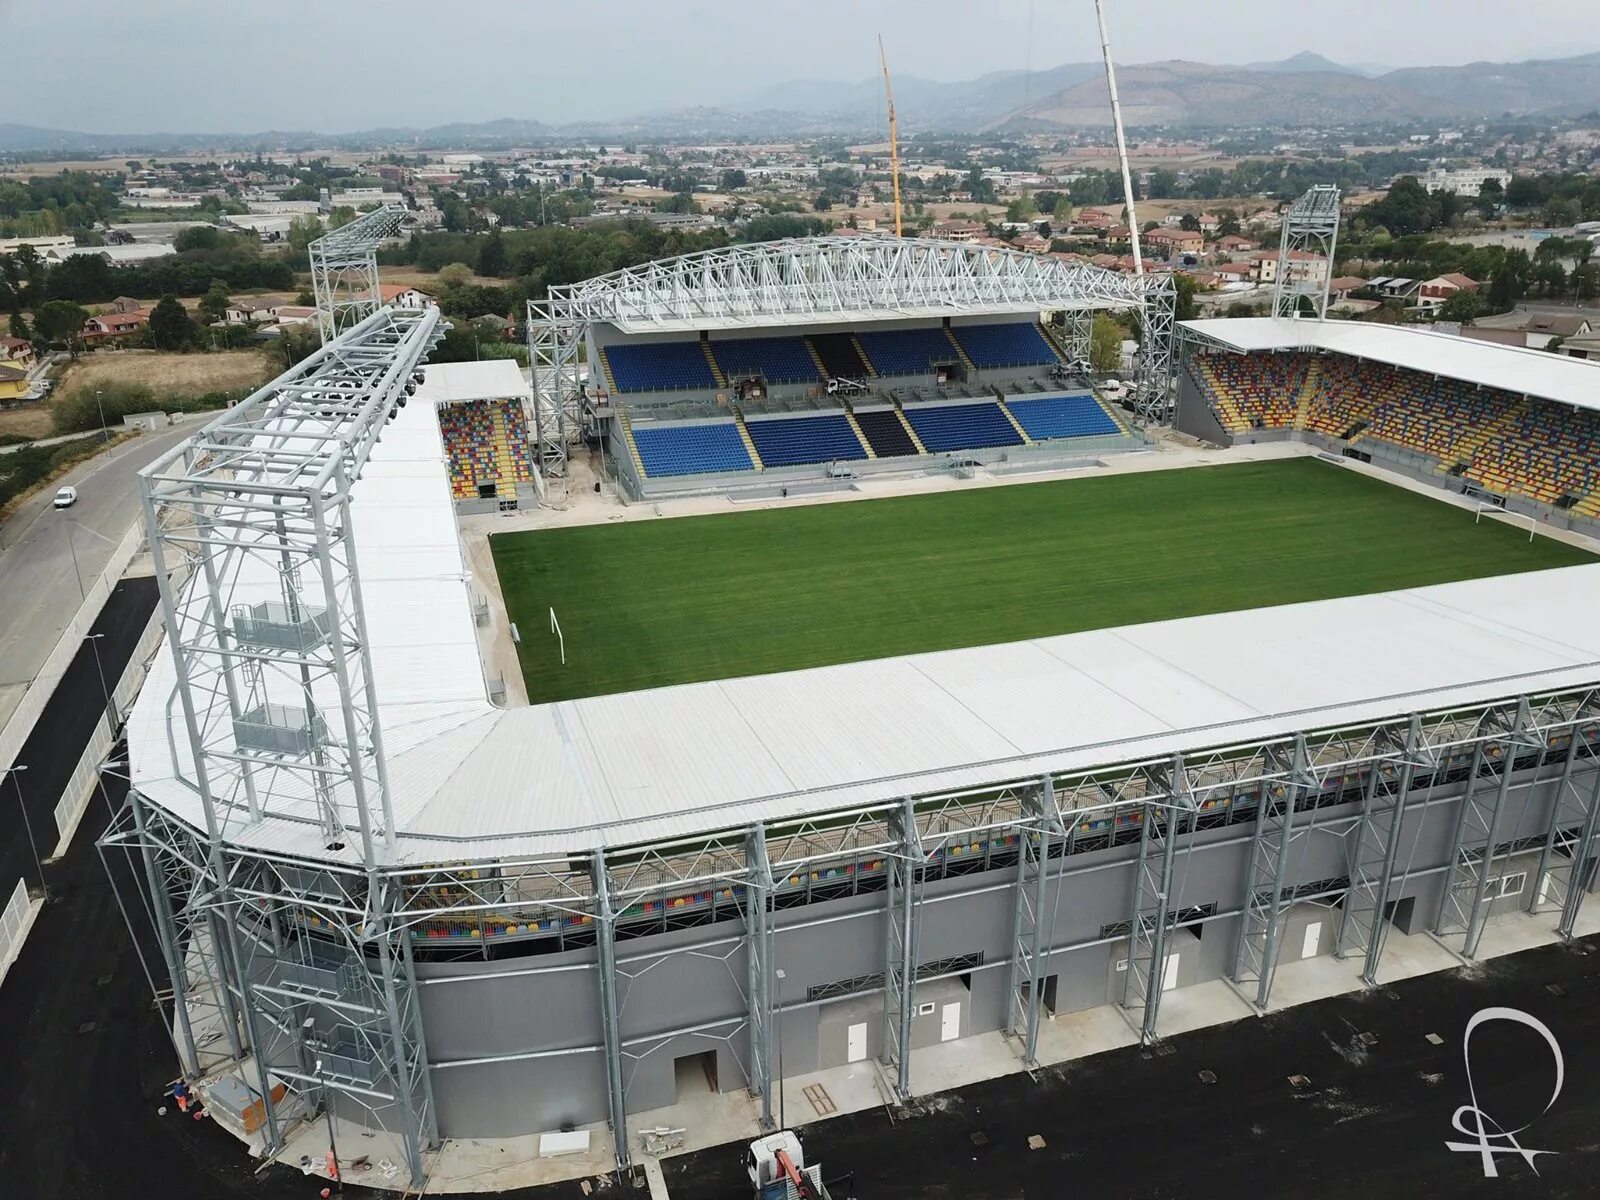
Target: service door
<point>855,1042</point>
<point>1169,977</point>
<point>1308,948</point>
<point>950,1021</point>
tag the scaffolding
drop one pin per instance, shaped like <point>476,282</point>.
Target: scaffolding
<point>1310,227</point>
<point>344,270</point>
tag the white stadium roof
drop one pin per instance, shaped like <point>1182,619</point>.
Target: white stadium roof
<point>1537,373</point>
<point>469,780</point>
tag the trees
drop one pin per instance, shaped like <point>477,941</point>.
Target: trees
<point>1491,195</point>
<point>1105,344</point>
<point>19,327</point>
<point>60,322</point>
<point>492,259</point>
<point>214,304</point>
<point>1189,222</point>
<point>1462,306</point>
<point>1227,223</point>
<point>1184,307</point>
<point>732,180</point>
<point>1022,208</point>
<point>170,326</point>
<point>303,231</point>
<point>454,274</point>
<point>1510,280</point>
<point>198,237</point>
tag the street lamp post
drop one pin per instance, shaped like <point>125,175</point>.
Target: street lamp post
<point>72,545</point>
<point>27,825</point>
<point>111,716</point>
<point>105,434</point>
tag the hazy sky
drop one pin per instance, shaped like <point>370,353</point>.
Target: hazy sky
<point>110,66</point>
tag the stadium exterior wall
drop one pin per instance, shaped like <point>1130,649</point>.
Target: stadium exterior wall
<point>1194,415</point>
<point>681,992</point>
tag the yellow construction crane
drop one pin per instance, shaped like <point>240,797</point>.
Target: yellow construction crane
<point>894,140</point>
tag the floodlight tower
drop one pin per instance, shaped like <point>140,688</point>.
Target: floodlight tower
<point>1310,225</point>
<point>344,270</point>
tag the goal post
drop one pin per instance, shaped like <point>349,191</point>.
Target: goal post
<point>555,628</point>
<point>1496,510</point>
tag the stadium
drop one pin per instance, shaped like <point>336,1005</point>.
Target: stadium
<point>953,714</point>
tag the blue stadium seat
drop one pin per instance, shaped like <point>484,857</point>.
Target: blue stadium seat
<point>691,449</point>
<point>1012,344</point>
<point>776,359</point>
<point>962,426</point>
<point>659,366</point>
<point>791,441</point>
<point>906,351</point>
<point>885,433</point>
<point>1046,417</point>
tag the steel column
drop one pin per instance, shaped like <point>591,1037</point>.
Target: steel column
<point>759,966</point>
<point>903,866</point>
<point>1028,960</point>
<point>610,1019</point>
<point>1477,834</point>
<point>1256,955</point>
<point>167,936</point>
<point>1582,850</point>
<point>1154,912</point>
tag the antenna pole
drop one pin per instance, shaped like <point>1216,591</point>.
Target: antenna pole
<point>1122,144</point>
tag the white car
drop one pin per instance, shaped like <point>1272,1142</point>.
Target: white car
<point>1113,389</point>
<point>66,497</point>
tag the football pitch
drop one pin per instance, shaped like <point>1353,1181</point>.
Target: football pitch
<point>649,603</point>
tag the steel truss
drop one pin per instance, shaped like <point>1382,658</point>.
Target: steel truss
<point>344,270</point>
<point>1569,840</point>
<point>1311,226</point>
<point>812,281</point>
<point>1374,846</point>
<point>901,911</point>
<point>1463,904</point>
<point>1031,914</point>
<point>1155,911</point>
<point>895,847</point>
<point>554,350</point>
<point>254,550</point>
<point>1256,954</point>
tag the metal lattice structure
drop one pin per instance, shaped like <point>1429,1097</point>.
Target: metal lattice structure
<point>344,270</point>
<point>805,282</point>
<point>277,719</point>
<point>1310,226</point>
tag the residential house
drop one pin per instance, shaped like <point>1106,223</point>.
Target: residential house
<point>126,304</point>
<point>1393,287</point>
<point>957,231</point>
<point>16,350</point>
<point>1304,266</point>
<point>1172,242</point>
<point>114,325</point>
<point>1031,241</point>
<point>1432,293</point>
<point>1234,243</point>
<point>253,310</point>
<point>1586,346</point>
<point>1235,276</point>
<point>14,383</point>
<point>294,314</point>
<point>399,295</point>
<point>1341,287</point>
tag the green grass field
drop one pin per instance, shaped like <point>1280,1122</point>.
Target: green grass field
<point>649,603</point>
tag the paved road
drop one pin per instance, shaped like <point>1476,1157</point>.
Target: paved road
<point>38,581</point>
<point>1372,1121</point>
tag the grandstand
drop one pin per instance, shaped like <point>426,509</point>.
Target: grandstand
<point>941,336</point>
<point>483,425</point>
<point>1512,427</point>
<point>954,761</point>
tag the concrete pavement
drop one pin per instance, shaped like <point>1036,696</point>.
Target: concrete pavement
<point>46,553</point>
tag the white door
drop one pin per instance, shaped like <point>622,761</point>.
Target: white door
<point>855,1043</point>
<point>1169,976</point>
<point>950,1021</point>
<point>1308,947</point>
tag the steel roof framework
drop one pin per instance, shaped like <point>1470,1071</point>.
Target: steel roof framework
<point>825,280</point>
<point>272,899</point>
<point>1310,226</point>
<point>344,270</point>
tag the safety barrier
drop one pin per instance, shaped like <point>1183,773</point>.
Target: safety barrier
<point>13,925</point>
<point>75,796</point>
